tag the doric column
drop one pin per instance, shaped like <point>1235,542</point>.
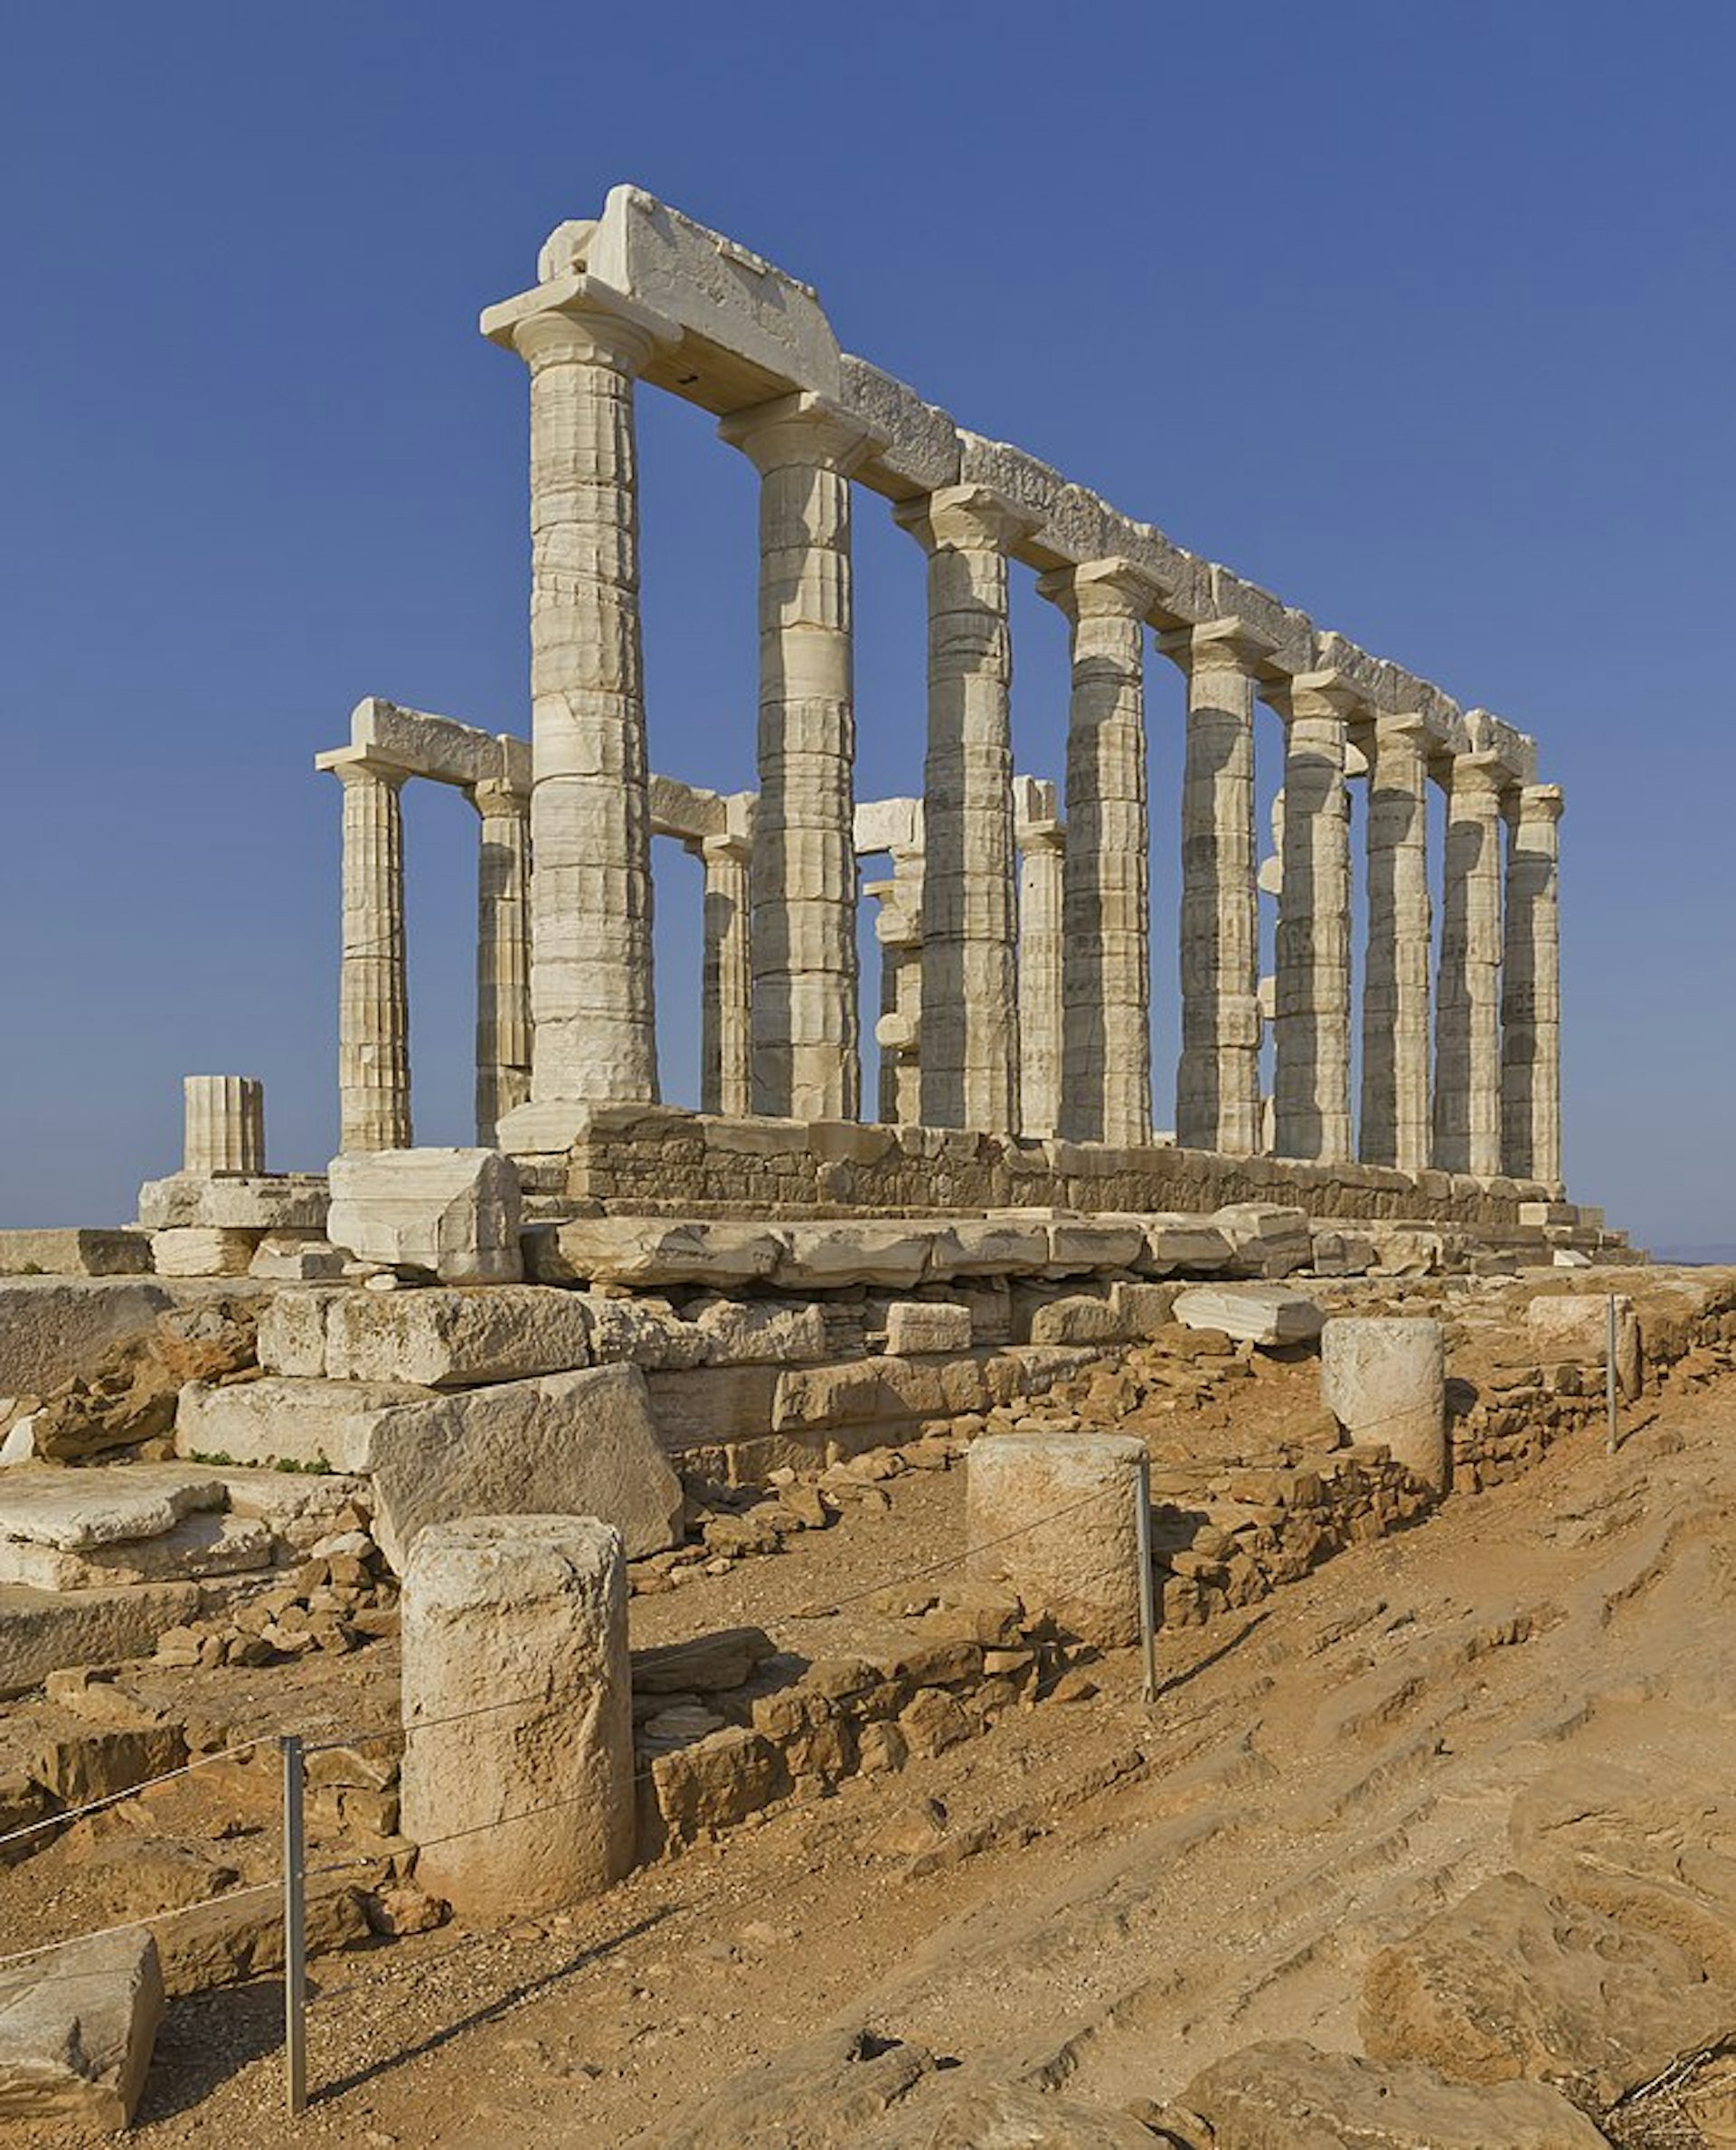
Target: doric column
<point>224,1124</point>
<point>503,955</point>
<point>592,991</point>
<point>1041,839</point>
<point>1217,1093</point>
<point>970,1040</point>
<point>1531,991</point>
<point>1467,1017</point>
<point>805,1063</point>
<point>725,1040</point>
<point>1395,978</point>
<point>1311,1087</point>
<point>374,1002</point>
<point>1106,906</point>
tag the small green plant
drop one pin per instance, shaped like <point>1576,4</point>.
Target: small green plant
<point>30,1269</point>
<point>317,1468</point>
<point>213,1455</point>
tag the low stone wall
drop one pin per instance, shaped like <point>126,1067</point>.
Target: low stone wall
<point>661,1161</point>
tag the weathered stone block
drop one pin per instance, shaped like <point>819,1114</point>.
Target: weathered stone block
<point>1055,1518</point>
<point>1255,1313</point>
<point>868,1250</point>
<point>1079,1319</point>
<point>1573,1328</point>
<point>319,1424</point>
<point>276,1201</point>
<point>455,1211</point>
<point>570,1444</point>
<point>759,1332</point>
<point>74,1252</point>
<point>1180,1242</point>
<point>202,1250</point>
<point>40,1631</point>
<point>652,1250</point>
<point>1265,1238</point>
<point>76,2030</point>
<point>1386,1381</point>
<point>924,1328</point>
<point>440,1338</point>
<point>717,1781</point>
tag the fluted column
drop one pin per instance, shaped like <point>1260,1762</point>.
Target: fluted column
<point>224,1124</point>
<point>1106,905</point>
<point>503,955</point>
<point>1217,1095</point>
<point>1311,1088</point>
<point>1041,839</point>
<point>725,1084</point>
<point>374,1002</point>
<point>1531,991</point>
<point>1395,979</point>
<point>591,988</point>
<point>805,1060</point>
<point>970,1029</point>
<point>1467,1018</point>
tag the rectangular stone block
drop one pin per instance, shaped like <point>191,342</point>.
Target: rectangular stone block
<point>1177,1241</point>
<point>198,1250</point>
<point>570,1444</point>
<point>866,1250</point>
<point>452,1212</point>
<point>1266,1240</point>
<point>276,1201</point>
<point>41,1631</point>
<point>986,1247</point>
<point>702,1407</point>
<point>311,1424</point>
<point>441,1339</point>
<point>1254,1312</point>
<point>652,1251</point>
<point>291,1335</point>
<point>1094,1243</point>
<point>74,1252</point>
<point>1141,1310</point>
<point>1081,1319</point>
<point>918,1328</point>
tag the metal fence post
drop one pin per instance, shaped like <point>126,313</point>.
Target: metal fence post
<point>1609,1392</point>
<point>295,1931</point>
<point>1147,1583</point>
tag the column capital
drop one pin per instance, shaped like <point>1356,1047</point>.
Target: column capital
<point>802,429</point>
<point>1480,775</point>
<point>1226,645</point>
<point>353,765</point>
<point>730,844</point>
<point>1305,695</point>
<point>1540,802</point>
<point>1042,836</point>
<point>1108,588</point>
<point>1410,730</point>
<point>497,796</point>
<point>964,519</point>
<point>576,317</point>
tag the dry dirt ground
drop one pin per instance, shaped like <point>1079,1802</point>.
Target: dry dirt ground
<point>1099,1892</point>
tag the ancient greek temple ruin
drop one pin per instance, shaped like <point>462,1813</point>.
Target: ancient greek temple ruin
<point>1013,1004</point>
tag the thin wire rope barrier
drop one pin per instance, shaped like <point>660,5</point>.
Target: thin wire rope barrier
<point>71,1814</point>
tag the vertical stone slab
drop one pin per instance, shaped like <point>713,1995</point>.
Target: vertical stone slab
<point>1106,901</point>
<point>591,988</point>
<point>1467,1020</point>
<point>805,1062</point>
<point>1041,839</point>
<point>373,999</point>
<point>1217,1095</point>
<point>725,1037</point>
<point>1311,1090</point>
<point>970,1047</point>
<point>224,1124</point>
<point>517,1777</point>
<point>1395,978</point>
<point>503,956</point>
<point>898,1032</point>
<point>1531,991</point>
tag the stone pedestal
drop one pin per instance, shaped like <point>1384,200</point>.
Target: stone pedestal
<point>1106,903</point>
<point>1218,1102</point>
<point>592,993</point>
<point>373,1000</point>
<point>969,1065</point>
<point>1531,992</point>
<point>1054,1517</point>
<point>1385,1381</point>
<point>503,956</point>
<point>1395,1125</point>
<point>1311,1089</point>
<point>517,1711</point>
<point>1468,1019</point>
<point>725,1037</point>
<point>804,878</point>
<point>224,1125</point>
<point>1041,839</point>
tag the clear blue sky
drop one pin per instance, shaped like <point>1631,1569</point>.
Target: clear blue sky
<point>1421,314</point>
